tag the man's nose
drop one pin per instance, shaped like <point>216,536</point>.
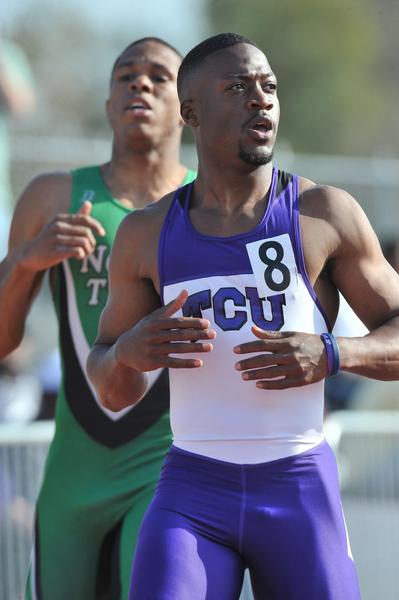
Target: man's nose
<point>260,99</point>
<point>141,83</point>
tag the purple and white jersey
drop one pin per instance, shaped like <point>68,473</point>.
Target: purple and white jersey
<point>258,277</point>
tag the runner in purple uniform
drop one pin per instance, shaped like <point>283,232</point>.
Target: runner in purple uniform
<point>233,283</point>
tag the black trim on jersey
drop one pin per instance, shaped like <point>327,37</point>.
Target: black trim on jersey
<point>283,179</point>
<point>108,580</point>
<point>85,408</point>
<point>182,194</point>
<point>35,573</point>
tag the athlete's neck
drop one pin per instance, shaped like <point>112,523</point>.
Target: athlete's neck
<point>222,208</point>
<point>139,178</point>
<point>231,191</point>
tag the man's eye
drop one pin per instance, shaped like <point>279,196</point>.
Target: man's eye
<point>237,86</point>
<point>271,87</point>
<point>160,78</point>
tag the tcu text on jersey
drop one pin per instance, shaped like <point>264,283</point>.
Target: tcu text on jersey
<point>231,298</point>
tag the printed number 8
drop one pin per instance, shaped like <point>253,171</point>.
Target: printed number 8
<point>274,264</point>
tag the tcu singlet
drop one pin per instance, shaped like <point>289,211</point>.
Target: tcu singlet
<point>102,467</point>
<point>258,277</point>
<point>249,481</point>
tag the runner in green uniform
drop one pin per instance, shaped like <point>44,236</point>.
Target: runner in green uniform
<point>102,466</point>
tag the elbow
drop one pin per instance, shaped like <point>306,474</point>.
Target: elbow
<point>116,387</point>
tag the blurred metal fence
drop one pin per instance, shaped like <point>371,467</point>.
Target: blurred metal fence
<point>23,450</point>
<point>366,445</point>
<point>367,449</point>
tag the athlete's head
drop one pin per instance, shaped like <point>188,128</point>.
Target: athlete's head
<point>228,95</point>
<point>143,103</point>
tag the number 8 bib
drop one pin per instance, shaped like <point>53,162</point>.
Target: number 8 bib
<point>273,265</point>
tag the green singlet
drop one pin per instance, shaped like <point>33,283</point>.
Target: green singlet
<point>102,467</point>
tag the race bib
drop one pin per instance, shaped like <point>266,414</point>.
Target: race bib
<point>273,265</point>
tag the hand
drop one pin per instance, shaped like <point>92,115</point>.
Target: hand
<point>148,344</point>
<point>285,359</point>
<point>65,236</point>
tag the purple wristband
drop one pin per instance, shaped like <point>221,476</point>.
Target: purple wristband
<point>332,351</point>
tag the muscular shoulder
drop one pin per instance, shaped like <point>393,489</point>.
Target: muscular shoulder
<point>148,221</point>
<point>44,197</point>
<point>319,198</point>
<point>334,212</point>
<point>50,190</point>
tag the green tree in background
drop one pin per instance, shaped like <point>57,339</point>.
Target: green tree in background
<point>325,56</point>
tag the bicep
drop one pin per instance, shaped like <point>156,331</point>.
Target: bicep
<point>365,278</point>
<point>130,295</point>
<point>42,199</point>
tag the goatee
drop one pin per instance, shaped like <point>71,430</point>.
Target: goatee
<point>254,158</point>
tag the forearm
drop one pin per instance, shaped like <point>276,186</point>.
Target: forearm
<point>117,386</point>
<point>18,287</point>
<point>376,355</point>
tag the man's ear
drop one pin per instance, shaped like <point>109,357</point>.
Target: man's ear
<point>188,114</point>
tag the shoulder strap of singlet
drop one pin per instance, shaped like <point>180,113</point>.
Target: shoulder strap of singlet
<point>85,182</point>
<point>283,179</point>
<point>176,209</point>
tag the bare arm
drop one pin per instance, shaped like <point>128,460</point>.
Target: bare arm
<point>342,252</point>
<point>136,334</point>
<point>42,235</point>
<point>371,286</point>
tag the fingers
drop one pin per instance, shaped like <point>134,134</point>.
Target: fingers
<point>85,209</point>
<point>263,360</point>
<point>280,384</point>
<point>263,334</point>
<point>256,346</point>
<point>79,232</point>
<point>184,348</point>
<point>185,328</point>
<point>180,323</point>
<point>174,305</point>
<point>182,363</point>
<point>84,219</point>
<point>283,359</point>
<point>74,246</point>
<point>271,373</point>
<point>182,335</point>
<point>268,341</point>
<point>81,218</point>
<point>278,376</point>
<point>161,337</point>
<point>64,252</point>
<point>71,236</point>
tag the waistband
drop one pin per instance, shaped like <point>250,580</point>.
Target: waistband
<point>289,461</point>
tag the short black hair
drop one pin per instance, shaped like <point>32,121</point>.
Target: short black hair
<point>195,57</point>
<point>142,41</point>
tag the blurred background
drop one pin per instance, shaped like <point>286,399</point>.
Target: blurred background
<point>338,70</point>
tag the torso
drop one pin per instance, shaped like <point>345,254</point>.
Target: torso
<point>214,412</point>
